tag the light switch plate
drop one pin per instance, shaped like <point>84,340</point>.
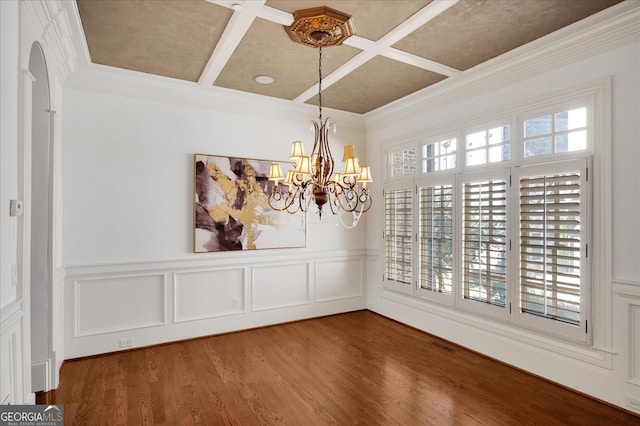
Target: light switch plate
<point>16,208</point>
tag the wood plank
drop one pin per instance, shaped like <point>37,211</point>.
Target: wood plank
<point>343,369</point>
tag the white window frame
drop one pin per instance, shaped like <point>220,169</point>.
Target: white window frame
<point>432,181</point>
<point>406,288</point>
<point>470,305</point>
<point>437,140</point>
<point>485,126</point>
<point>401,148</point>
<point>578,333</point>
<point>596,97</point>
<point>551,109</point>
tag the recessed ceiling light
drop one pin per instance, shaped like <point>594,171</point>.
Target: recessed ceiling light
<point>263,79</point>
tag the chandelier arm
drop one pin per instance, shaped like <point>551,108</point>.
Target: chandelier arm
<point>349,200</point>
<point>328,155</point>
<point>292,196</point>
<point>366,201</point>
<point>333,200</point>
<point>355,220</point>
<point>281,201</point>
<point>305,196</point>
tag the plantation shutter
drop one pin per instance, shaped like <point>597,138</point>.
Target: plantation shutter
<point>398,231</point>
<point>550,250</point>
<point>436,238</point>
<point>484,242</point>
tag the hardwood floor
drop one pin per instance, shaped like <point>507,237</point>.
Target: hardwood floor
<point>355,368</point>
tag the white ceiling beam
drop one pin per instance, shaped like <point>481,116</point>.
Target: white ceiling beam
<point>415,21</point>
<point>275,15</point>
<point>419,61</point>
<point>346,68</point>
<point>360,42</point>
<point>370,49</point>
<point>244,14</point>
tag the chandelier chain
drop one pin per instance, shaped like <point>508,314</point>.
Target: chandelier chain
<point>320,82</point>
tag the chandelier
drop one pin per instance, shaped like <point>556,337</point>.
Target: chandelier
<point>313,179</point>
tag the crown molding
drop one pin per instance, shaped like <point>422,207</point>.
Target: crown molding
<point>604,31</point>
<point>122,82</point>
<point>116,81</point>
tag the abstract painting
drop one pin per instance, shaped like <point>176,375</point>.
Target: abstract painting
<point>232,211</point>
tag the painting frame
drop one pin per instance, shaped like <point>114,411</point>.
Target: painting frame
<point>231,208</point>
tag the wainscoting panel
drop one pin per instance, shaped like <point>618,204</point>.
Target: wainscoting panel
<point>114,307</point>
<point>108,305</point>
<point>338,279</point>
<point>626,305</point>
<point>635,344</point>
<point>279,286</point>
<point>12,361</point>
<point>208,294</point>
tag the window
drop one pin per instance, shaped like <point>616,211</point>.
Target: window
<point>564,131</point>
<point>484,251</point>
<point>436,238</point>
<point>398,234</point>
<point>489,146</point>
<point>439,156</point>
<point>506,242</point>
<point>402,163</point>
<point>552,214</point>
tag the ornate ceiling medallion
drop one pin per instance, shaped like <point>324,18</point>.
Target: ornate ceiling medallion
<point>320,26</point>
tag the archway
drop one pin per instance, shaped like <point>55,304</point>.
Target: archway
<point>40,222</point>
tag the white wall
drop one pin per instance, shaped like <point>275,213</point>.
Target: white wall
<point>24,23</point>
<point>610,369</point>
<point>127,169</point>
<point>10,331</point>
<point>8,147</point>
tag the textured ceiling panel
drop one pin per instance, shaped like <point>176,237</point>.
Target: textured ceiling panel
<point>169,38</point>
<point>374,84</point>
<point>373,18</point>
<point>178,38</point>
<point>266,49</point>
<point>474,31</point>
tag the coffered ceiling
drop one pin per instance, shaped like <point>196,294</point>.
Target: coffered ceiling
<point>400,46</point>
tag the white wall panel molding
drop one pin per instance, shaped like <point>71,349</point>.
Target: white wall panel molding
<point>12,386</point>
<point>209,293</point>
<point>119,303</point>
<point>626,305</point>
<point>339,278</point>
<point>281,285</point>
<point>206,295</point>
<point>11,314</point>
<point>602,32</point>
<point>634,343</point>
<point>203,261</point>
